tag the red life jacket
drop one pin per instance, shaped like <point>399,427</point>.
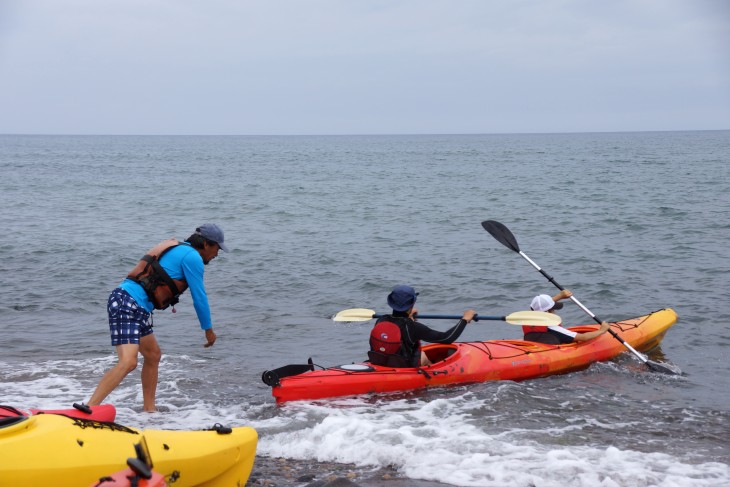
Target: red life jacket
<point>385,338</point>
<point>162,290</point>
<point>390,347</point>
<point>534,329</point>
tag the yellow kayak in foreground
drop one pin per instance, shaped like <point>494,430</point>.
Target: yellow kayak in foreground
<point>59,451</point>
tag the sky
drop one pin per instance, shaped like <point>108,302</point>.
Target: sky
<point>363,67</point>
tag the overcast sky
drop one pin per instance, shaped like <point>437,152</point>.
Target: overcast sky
<point>362,66</point>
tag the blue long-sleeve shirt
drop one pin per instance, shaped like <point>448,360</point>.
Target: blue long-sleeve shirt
<point>181,262</point>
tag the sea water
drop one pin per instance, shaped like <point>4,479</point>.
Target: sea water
<point>630,222</point>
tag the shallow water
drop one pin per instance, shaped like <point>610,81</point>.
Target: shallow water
<point>631,222</point>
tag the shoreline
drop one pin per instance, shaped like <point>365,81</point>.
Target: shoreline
<point>284,472</point>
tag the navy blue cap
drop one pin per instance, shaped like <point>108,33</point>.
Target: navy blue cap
<point>402,298</point>
<point>212,232</point>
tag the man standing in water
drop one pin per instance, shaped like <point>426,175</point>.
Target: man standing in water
<point>156,282</point>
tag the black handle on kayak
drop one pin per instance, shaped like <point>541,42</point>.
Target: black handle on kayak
<point>83,408</point>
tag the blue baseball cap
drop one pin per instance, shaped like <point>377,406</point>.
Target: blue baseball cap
<point>212,232</point>
<point>402,298</point>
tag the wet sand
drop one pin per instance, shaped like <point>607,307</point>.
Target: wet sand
<point>282,472</point>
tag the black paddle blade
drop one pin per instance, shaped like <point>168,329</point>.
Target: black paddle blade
<point>663,368</point>
<point>502,234</point>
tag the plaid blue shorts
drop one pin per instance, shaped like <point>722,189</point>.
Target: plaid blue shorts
<point>128,322</point>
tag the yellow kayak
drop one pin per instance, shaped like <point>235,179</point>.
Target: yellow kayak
<point>56,450</point>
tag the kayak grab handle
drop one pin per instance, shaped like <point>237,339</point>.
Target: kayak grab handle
<point>83,408</point>
<point>272,377</point>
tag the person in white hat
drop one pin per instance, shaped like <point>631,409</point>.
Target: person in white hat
<point>556,335</point>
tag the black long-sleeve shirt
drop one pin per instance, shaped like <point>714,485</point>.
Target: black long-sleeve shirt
<point>412,332</point>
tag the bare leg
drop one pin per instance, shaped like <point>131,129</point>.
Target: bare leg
<point>151,352</point>
<point>425,360</point>
<point>126,362</point>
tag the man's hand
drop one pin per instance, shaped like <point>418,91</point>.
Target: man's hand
<point>469,315</point>
<point>210,336</point>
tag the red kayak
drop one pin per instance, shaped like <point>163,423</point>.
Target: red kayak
<point>104,412</point>
<point>470,362</point>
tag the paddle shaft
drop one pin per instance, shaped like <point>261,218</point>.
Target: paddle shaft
<point>448,317</point>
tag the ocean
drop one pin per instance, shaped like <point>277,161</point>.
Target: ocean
<point>630,222</point>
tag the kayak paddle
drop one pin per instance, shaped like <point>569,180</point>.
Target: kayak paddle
<point>503,235</point>
<point>534,318</point>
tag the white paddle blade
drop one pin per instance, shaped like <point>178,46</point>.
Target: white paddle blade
<point>354,314</point>
<point>533,318</point>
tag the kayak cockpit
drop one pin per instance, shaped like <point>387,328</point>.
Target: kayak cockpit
<point>440,352</point>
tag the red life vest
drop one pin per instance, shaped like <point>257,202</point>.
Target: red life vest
<point>162,290</point>
<point>534,329</point>
<point>385,338</point>
<point>390,345</point>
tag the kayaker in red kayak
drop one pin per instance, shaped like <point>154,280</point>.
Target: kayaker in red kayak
<point>395,340</point>
<point>556,335</point>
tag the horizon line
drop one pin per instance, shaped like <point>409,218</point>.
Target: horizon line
<point>355,134</point>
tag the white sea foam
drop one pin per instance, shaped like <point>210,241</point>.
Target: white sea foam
<point>444,439</point>
<point>438,441</point>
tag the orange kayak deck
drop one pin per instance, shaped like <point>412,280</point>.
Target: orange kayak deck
<point>470,362</point>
